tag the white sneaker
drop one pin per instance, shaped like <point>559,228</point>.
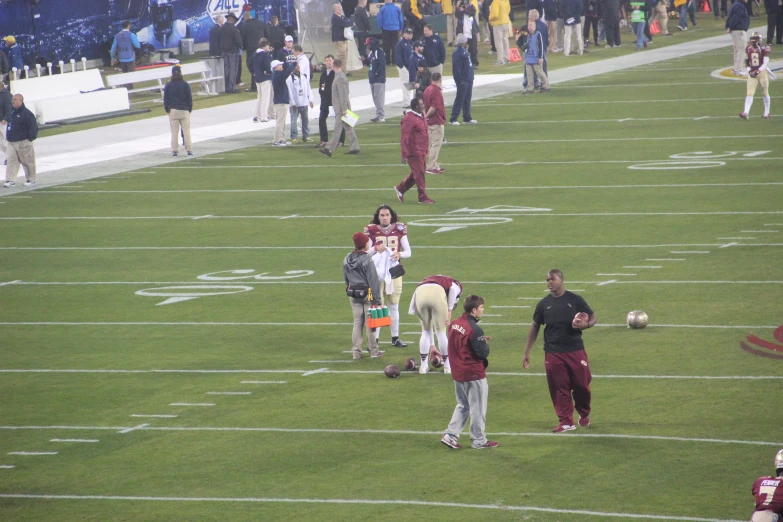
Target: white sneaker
<point>453,123</point>
<point>28,183</point>
<point>9,184</point>
<point>424,369</point>
<point>472,121</point>
<point>447,371</point>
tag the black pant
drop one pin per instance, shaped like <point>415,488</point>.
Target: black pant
<point>492,40</point>
<point>647,32</point>
<point>723,8</point>
<point>586,31</point>
<point>249,63</point>
<point>473,49</point>
<point>462,102</point>
<point>322,130</point>
<point>612,26</point>
<point>390,39</point>
<point>362,47</point>
<point>775,20</point>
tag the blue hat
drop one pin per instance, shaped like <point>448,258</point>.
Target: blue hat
<point>175,68</point>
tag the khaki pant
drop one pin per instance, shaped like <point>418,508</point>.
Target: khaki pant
<point>501,42</point>
<point>20,153</point>
<point>180,119</point>
<point>431,307</point>
<point>360,308</point>
<point>342,52</point>
<point>567,29</point>
<point>406,93</point>
<point>535,70</point>
<point>436,142</point>
<point>437,69</point>
<point>739,40</point>
<point>552,29</point>
<point>264,107</point>
<point>393,298</point>
<point>451,27</point>
<point>281,110</point>
<point>662,17</point>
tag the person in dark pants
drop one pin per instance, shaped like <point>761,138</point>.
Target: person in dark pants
<point>774,20</point>
<point>325,92</point>
<point>214,36</point>
<point>275,34</point>
<point>590,12</point>
<point>251,30</point>
<point>612,23</point>
<point>362,20</point>
<point>414,142</point>
<point>465,9</point>
<point>390,22</point>
<point>462,71</point>
<point>565,315</point>
<point>230,45</point>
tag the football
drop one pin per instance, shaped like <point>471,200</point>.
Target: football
<point>436,360</point>
<point>637,319</point>
<point>411,364</point>
<point>392,371</point>
<point>580,316</point>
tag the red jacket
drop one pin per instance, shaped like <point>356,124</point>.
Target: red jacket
<point>433,97</point>
<point>414,140</point>
<point>468,349</point>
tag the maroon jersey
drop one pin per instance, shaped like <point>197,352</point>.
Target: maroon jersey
<point>447,283</point>
<point>755,56</point>
<point>468,349</point>
<point>769,494</point>
<point>390,236</point>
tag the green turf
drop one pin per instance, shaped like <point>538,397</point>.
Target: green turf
<point>571,156</point>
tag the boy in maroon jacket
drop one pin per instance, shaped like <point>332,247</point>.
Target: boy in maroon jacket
<point>468,351</point>
<point>414,141</point>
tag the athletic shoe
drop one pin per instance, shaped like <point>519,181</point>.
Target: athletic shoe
<point>307,140</point>
<point>765,116</point>
<point>190,153</point>
<point>453,123</point>
<point>399,344</point>
<point>353,151</point>
<point>486,40</point>
<point>563,428</point>
<point>545,89</point>
<point>9,184</point>
<point>357,355</point>
<point>609,47</point>
<point>527,92</point>
<point>28,183</point>
<point>424,369</point>
<point>492,52</point>
<point>557,49</point>
<point>241,84</point>
<point>432,171</point>
<point>378,354</point>
<point>584,422</point>
<point>325,152</point>
<point>487,445</point>
<point>441,170</point>
<point>399,194</point>
<point>447,371</point>
<point>472,121</point>
<point>282,144</point>
<point>256,120</point>
<point>322,145</point>
<point>294,140</point>
<point>450,441</point>
<point>174,154</point>
<point>427,201</point>
<point>670,34</point>
<point>743,115</point>
<point>262,121</point>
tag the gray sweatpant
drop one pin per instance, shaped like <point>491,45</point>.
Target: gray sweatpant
<point>471,400</point>
<point>230,68</point>
<point>379,98</point>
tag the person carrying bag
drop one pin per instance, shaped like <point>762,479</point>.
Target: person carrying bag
<point>363,289</point>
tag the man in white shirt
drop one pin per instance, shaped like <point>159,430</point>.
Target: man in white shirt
<point>301,98</point>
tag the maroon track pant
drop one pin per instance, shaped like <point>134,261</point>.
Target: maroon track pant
<point>568,373</point>
<point>418,166</point>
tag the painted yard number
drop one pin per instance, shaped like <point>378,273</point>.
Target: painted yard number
<point>696,160</point>
<point>179,293</point>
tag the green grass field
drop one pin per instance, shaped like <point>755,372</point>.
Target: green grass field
<point>683,421</point>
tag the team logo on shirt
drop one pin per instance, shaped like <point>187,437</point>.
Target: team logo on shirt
<point>584,363</point>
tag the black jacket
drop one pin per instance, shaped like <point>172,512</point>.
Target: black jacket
<point>177,95</point>
<point>772,6</point>
<point>738,19</point>
<point>230,39</point>
<point>21,125</point>
<point>5,104</point>
<point>214,41</point>
<point>362,19</point>
<point>4,67</point>
<point>325,87</point>
<point>276,36</point>
<point>252,31</point>
<point>339,23</point>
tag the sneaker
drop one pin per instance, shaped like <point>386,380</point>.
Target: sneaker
<point>427,201</point>
<point>256,120</point>
<point>545,89</point>
<point>527,92</point>
<point>381,120</point>
<point>453,123</point>
<point>307,140</point>
<point>765,116</point>
<point>431,171</point>
<point>325,152</point>
<point>281,144</point>
<point>241,84</point>
<point>424,369</point>
<point>492,52</point>
<point>174,154</point>
<point>743,115</point>
<point>669,34</point>
<point>357,355</point>
<point>399,344</point>
<point>9,184</point>
<point>28,183</point>
<point>294,140</point>
<point>584,422</point>
<point>376,355</point>
<point>487,445</point>
<point>609,47</point>
<point>353,151</point>
<point>557,49</point>
<point>450,441</point>
<point>441,170</point>
<point>563,428</point>
<point>472,121</point>
<point>399,194</point>
<point>322,145</point>
<point>486,40</point>
<point>263,121</point>
<point>374,120</point>
<point>447,371</point>
<point>190,153</point>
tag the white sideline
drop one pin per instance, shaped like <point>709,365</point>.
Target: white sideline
<point>493,507</point>
<point>215,323</point>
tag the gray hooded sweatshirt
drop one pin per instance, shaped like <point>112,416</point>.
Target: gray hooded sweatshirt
<point>358,268</point>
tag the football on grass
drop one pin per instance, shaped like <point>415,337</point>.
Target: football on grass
<point>411,364</point>
<point>436,360</point>
<point>392,371</point>
<point>637,319</point>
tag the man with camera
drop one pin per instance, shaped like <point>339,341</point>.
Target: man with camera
<point>363,289</point>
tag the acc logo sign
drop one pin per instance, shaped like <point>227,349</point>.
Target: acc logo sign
<point>223,7</point>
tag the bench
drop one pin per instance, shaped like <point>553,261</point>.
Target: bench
<point>70,95</point>
<point>160,73</point>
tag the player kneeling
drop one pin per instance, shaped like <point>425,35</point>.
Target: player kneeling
<point>757,61</point>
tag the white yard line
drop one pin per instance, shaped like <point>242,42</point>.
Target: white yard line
<point>689,252</point>
<point>154,416</point>
<point>484,103</point>
<point>608,275</point>
<point>32,453</point>
<point>665,259</point>
<point>196,404</point>
<point>74,440</point>
<point>366,502</point>
<point>263,382</point>
<point>133,428</point>
<point>6,466</point>
<point>228,393</point>
<point>482,143</point>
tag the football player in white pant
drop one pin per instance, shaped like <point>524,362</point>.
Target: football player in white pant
<point>432,303</point>
<point>757,61</point>
<point>389,235</point>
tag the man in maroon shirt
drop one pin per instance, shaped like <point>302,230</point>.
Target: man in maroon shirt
<point>435,112</point>
<point>769,495</point>
<point>469,351</point>
<point>413,143</point>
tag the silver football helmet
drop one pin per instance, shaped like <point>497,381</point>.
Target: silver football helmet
<point>637,319</point>
<point>779,460</point>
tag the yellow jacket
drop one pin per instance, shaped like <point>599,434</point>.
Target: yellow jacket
<point>498,12</point>
<point>448,7</point>
<point>415,9</point>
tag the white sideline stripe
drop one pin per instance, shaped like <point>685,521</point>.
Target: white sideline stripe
<point>312,372</point>
<point>773,224</point>
<point>263,382</point>
<point>484,103</point>
<point>154,416</point>
<point>11,282</point>
<point>759,231</point>
<point>590,140</point>
<point>32,453</point>
<point>5,466</point>
<point>74,440</point>
<point>192,404</point>
<point>602,283</point>
<point>604,120</point>
<point>493,507</point>
<point>615,274</point>
<point>647,266</point>
<point>689,252</point>
<point>332,361</point>
<point>622,325</point>
<point>134,428</point>
<point>666,259</point>
<point>728,245</point>
<point>735,238</point>
<point>509,307</point>
<point>228,393</point>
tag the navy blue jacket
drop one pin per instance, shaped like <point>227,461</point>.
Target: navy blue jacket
<point>286,56</point>
<point>279,85</point>
<point>377,59</point>
<point>21,125</point>
<point>177,95</point>
<point>544,30</point>
<point>6,103</point>
<point>413,66</point>
<point>434,50</point>
<point>571,9</point>
<point>214,41</point>
<point>550,11</point>
<point>262,66</point>
<point>15,57</point>
<point>462,67</point>
<point>403,52</point>
<point>390,18</point>
<point>737,20</point>
<point>339,23</point>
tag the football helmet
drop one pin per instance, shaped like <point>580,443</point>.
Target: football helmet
<point>779,460</point>
<point>755,39</point>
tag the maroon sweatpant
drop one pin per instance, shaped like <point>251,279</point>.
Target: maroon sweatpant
<point>568,373</point>
<point>418,166</point>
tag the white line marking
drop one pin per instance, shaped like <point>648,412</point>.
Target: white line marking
<point>291,216</point>
<point>154,416</point>
<point>679,100</point>
<point>228,393</point>
<point>509,307</point>
<point>736,238</point>
<point>624,119</point>
<point>631,275</point>
<point>191,404</point>
<point>700,118</point>
<point>607,282</point>
<point>5,466</point>
<point>529,298</point>
<point>773,224</point>
<point>689,252</point>
<point>759,231</point>
<point>32,453</point>
<point>74,440</point>
<point>202,217</point>
<point>642,266</point>
<point>263,382</point>
<point>11,282</point>
<point>333,501</point>
<point>728,245</point>
<point>331,361</point>
<point>665,259</point>
<point>481,143</point>
<point>134,428</point>
<point>312,372</point>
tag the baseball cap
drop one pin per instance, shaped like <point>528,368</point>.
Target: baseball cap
<point>360,240</point>
<point>462,39</point>
<point>176,67</point>
<point>275,63</point>
<point>418,43</point>
<point>10,39</point>
<point>408,30</point>
<point>289,38</point>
